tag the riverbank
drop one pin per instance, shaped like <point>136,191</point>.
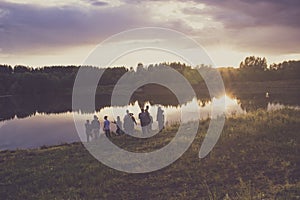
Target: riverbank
<point>257,157</point>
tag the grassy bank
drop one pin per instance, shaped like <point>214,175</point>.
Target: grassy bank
<point>257,157</point>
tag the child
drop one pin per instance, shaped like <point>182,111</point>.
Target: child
<point>106,127</point>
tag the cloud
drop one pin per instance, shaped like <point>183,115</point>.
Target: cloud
<point>259,26</point>
<point>264,26</point>
<point>26,27</point>
<point>97,3</point>
<point>269,26</point>
<point>255,13</point>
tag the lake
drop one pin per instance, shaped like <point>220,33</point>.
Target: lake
<point>31,122</point>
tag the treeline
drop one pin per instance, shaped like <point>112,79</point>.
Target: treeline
<point>256,69</point>
<point>60,79</point>
<point>47,80</point>
<point>27,80</point>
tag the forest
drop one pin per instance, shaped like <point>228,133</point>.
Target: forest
<point>25,80</point>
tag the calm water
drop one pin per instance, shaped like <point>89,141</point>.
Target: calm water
<point>31,129</point>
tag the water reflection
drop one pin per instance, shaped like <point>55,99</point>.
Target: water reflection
<point>38,130</point>
<point>172,113</point>
<point>30,125</point>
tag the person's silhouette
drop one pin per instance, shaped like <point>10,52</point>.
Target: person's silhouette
<point>144,121</point>
<point>106,127</point>
<point>129,122</point>
<point>96,127</point>
<point>88,130</point>
<point>149,119</point>
<point>160,118</point>
<point>119,125</point>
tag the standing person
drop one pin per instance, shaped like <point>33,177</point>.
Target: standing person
<point>96,127</point>
<point>160,118</point>
<point>143,120</point>
<point>88,130</point>
<point>106,127</point>
<point>127,122</point>
<point>149,119</point>
<point>151,123</point>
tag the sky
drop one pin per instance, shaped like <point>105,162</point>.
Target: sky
<point>63,32</point>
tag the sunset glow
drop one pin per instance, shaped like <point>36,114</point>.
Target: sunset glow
<point>37,33</point>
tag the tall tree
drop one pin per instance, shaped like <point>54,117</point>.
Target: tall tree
<point>255,63</point>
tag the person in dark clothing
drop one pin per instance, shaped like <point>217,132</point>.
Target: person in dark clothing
<point>144,121</point>
<point>149,119</point>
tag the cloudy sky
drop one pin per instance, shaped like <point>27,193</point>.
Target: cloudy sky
<point>38,32</point>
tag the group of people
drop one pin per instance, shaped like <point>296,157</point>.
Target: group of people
<point>146,120</point>
<point>92,129</point>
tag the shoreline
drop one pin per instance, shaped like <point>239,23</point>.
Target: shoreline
<point>257,152</point>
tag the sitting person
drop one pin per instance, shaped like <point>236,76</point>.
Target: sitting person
<point>119,125</point>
